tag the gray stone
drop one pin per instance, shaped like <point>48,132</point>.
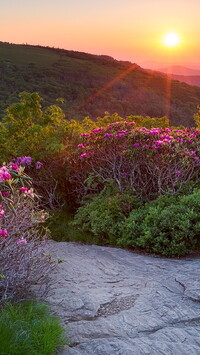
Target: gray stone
<point>115,302</point>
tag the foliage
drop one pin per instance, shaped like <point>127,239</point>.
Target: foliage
<point>23,261</point>
<point>91,85</point>
<point>140,121</point>
<point>103,215</point>
<point>169,226</point>
<point>148,162</point>
<point>44,134</point>
<point>29,328</point>
<point>34,132</point>
<point>197,118</point>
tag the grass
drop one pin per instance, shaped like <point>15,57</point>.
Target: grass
<point>29,328</point>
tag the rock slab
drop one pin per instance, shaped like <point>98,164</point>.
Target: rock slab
<point>115,302</point>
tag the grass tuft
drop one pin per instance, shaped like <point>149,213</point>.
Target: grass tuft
<point>29,328</point>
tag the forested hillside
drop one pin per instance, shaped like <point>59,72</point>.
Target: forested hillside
<point>91,84</point>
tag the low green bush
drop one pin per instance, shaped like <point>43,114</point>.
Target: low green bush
<point>169,226</point>
<point>103,215</point>
<point>29,328</point>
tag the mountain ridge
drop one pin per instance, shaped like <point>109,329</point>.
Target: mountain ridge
<point>92,84</point>
<point>179,70</point>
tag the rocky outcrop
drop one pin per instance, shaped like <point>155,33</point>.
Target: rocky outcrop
<point>115,302</point>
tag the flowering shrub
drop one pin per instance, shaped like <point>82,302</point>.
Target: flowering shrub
<point>149,162</point>
<point>22,259</point>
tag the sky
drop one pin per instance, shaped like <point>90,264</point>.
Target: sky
<point>130,30</point>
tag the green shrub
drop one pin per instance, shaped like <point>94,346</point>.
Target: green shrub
<point>169,226</point>
<point>103,215</point>
<point>29,328</point>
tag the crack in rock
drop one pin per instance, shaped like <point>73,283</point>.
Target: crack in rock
<point>182,284</point>
<point>116,306</point>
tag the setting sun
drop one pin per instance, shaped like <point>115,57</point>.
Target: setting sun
<point>171,39</point>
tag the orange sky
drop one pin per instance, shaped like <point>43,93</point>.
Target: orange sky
<point>129,29</point>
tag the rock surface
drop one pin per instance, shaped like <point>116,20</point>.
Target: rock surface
<point>114,302</point>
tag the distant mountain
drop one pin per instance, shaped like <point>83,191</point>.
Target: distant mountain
<point>191,80</point>
<point>92,84</point>
<point>160,65</point>
<point>179,70</point>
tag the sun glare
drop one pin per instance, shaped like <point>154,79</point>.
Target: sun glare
<point>171,39</point>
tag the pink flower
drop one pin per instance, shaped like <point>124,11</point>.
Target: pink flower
<point>178,172</point>
<point>85,155</point>
<point>30,193</point>
<point>5,193</point>
<point>15,167</point>
<point>97,129</point>
<point>85,134</point>
<point>107,135</point>
<point>24,189</point>
<point>159,142</point>
<point>4,174</point>
<point>22,241</point>
<point>3,233</point>
<point>81,145</point>
<point>38,164</point>
<point>136,145</point>
<point>24,160</point>
<point>1,212</point>
<point>114,123</point>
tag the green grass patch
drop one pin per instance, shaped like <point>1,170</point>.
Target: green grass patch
<point>29,328</point>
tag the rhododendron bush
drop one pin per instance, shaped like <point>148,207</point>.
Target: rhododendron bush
<point>22,259</point>
<point>148,162</point>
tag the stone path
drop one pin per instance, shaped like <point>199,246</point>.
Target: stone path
<point>114,302</point>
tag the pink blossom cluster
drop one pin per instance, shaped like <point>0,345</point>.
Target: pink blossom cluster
<point>27,192</point>
<point>3,233</point>
<point>4,174</point>
<point>13,166</point>
<point>82,146</point>
<point>23,160</point>
<point>9,171</point>
<point>126,138</point>
<point>148,161</point>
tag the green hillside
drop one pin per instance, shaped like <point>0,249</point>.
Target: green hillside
<point>91,85</point>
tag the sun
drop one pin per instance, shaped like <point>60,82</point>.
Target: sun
<point>171,39</point>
